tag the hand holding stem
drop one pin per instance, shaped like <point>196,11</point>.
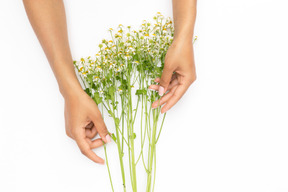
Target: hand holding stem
<point>82,117</point>
<point>179,68</point>
<point>83,121</point>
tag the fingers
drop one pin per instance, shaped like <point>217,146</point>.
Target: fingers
<point>85,148</point>
<point>101,127</point>
<point>173,83</point>
<point>157,80</point>
<point>91,133</point>
<point>83,138</point>
<point>90,125</point>
<point>95,143</point>
<point>154,87</point>
<point>179,92</point>
<point>165,79</point>
<point>164,99</point>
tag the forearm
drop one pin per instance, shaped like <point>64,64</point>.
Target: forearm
<point>48,20</point>
<point>184,14</point>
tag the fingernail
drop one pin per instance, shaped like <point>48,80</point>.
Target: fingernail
<point>108,138</point>
<point>161,90</point>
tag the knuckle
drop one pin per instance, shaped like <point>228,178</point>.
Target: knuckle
<point>167,62</point>
<point>84,151</point>
<point>164,82</point>
<point>68,134</point>
<point>191,79</point>
<point>101,126</point>
<point>96,117</point>
<point>168,67</point>
<point>103,129</point>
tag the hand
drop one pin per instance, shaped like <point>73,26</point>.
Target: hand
<point>83,121</point>
<point>179,59</point>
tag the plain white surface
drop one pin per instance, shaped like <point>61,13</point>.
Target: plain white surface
<point>229,132</point>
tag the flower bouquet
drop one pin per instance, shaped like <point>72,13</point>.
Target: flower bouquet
<point>117,78</point>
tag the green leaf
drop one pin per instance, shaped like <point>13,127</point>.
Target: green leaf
<point>97,98</point>
<point>111,91</point>
<point>95,87</point>
<point>109,75</point>
<point>141,92</point>
<point>110,112</point>
<point>133,136</point>
<point>90,78</point>
<point>87,90</point>
<point>113,137</point>
<point>138,67</point>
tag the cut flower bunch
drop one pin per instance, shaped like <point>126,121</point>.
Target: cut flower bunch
<point>117,78</point>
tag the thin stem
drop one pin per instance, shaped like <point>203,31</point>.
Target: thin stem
<point>120,154</point>
<point>135,114</point>
<point>154,170</point>
<point>106,157</point>
<point>152,147</point>
<point>161,127</point>
<point>108,167</point>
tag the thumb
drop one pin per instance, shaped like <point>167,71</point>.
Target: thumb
<point>165,79</point>
<point>101,128</point>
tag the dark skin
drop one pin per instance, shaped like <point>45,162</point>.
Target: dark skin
<point>83,120</point>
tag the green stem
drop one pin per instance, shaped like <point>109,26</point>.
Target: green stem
<point>106,157</point>
<point>107,164</point>
<point>123,119</point>
<point>152,147</point>
<point>131,138</point>
<point>161,127</point>
<point>154,170</point>
<point>120,154</point>
<point>135,114</point>
<point>132,147</point>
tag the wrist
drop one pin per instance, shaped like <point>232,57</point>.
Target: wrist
<point>182,41</point>
<point>183,38</point>
<point>70,88</point>
<point>184,33</point>
<point>67,80</point>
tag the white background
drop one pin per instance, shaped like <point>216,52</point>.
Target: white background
<point>229,132</point>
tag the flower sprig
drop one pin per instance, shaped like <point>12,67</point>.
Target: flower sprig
<point>122,70</point>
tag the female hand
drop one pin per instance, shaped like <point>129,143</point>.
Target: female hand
<point>83,121</point>
<point>179,59</point>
